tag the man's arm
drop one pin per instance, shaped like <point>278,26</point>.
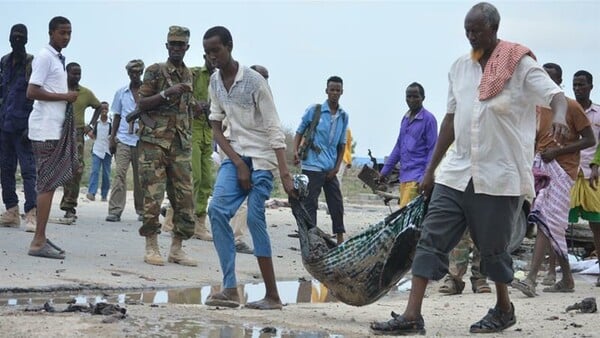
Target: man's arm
<point>585,140</point>
<point>35,92</point>
<point>297,141</point>
<point>559,108</point>
<point>445,139</point>
<point>112,141</point>
<point>284,173</point>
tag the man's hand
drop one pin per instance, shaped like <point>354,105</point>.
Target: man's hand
<point>244,175</point>
<point>71,96</point>
<point>549,154</point>
<point>200,109</point>
<point>426,186</point>
<point>112,145</point>
<point>296,158</point>
<point>288,186</point>
<point>331,174</point>
<point>178,89</point>
<point>559,132</point>
<point>594,177</point>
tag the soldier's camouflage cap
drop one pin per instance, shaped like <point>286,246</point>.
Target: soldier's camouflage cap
<point>137,65</point>
<point>178,33</point>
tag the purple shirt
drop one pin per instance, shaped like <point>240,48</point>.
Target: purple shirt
<point>414,146</point>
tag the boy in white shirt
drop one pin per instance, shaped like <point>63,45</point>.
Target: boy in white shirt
<point>101,156</point>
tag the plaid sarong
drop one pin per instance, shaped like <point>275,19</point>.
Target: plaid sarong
<point>56,160</point>
<point>550,210</point>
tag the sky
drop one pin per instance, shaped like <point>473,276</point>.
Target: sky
<point>377,47</point>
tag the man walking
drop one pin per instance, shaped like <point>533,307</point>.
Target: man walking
<point>51,130</point>
<point>484,176</point>
<point>325,154</point>
<point>585,198</point>
<point>414,146</point>
<point>165,148</point>
<point>15,107</point>
<point>254,148</point>
<point>85,99</point>
<point>123,144</point>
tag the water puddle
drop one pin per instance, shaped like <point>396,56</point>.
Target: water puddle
<point>291,292</point>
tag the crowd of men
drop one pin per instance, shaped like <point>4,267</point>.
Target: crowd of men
<point>509,137</point>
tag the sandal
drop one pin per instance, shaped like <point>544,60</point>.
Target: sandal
<point>480,286</point>
<point>221,299</point>
<point>549,280</point>
<point>495,321</point>
<point>560,286</point>
<point>451,286</point>
<point>398,326</point>
<point>525,287</point>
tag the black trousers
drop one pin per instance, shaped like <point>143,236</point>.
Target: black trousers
<point>333,196</point>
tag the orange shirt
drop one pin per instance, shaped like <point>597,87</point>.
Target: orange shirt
<point>576,121</point>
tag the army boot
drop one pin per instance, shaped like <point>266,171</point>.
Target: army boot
<point>177,255</point>
<point>31,220</point>
<point>152,255</point>
<point>200,230</point>
<point>11,218</point>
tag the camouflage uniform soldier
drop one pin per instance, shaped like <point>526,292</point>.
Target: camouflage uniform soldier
<point>457,267</point>
<point>165,148</point>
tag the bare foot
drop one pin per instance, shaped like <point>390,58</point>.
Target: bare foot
<point>265,304</point>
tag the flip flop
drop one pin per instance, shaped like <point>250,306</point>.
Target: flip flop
<point>220,299</point>
<point>526,288</point>
<point>560,286</point>
<point>263,304</point>
<point>47,251</point>
<point>55,246</point>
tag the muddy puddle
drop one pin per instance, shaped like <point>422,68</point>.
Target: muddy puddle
<point>172,322</point>
<point>291,292</point>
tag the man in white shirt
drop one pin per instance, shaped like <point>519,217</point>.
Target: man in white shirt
<point>255,147</point>
<point>123,143</point>
<point>484,177</point>
<point>48,87</point>
<point>101,156</point>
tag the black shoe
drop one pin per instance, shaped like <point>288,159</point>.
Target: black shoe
<point>495,321</point>
<point>398,326</point>
<point>113,218</point>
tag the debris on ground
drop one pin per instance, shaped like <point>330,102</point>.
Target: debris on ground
<point>587,305</point>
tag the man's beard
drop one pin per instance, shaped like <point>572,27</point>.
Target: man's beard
<point>477,54</point>
<point>18,49</point>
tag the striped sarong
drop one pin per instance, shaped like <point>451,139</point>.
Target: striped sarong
<point>56,160</point>
<point>550,208</point>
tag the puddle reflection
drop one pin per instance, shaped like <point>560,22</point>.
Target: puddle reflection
<point>291,292</point>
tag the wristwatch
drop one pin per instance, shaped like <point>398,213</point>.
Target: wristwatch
<point>163,95</point>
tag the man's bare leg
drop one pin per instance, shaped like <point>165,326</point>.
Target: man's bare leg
<point>44,203</point>
<point>271,300</point>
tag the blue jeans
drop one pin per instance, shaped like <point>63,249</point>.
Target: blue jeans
<point>98,162</point>
<point>14,147</point>
<point>228,195</point>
